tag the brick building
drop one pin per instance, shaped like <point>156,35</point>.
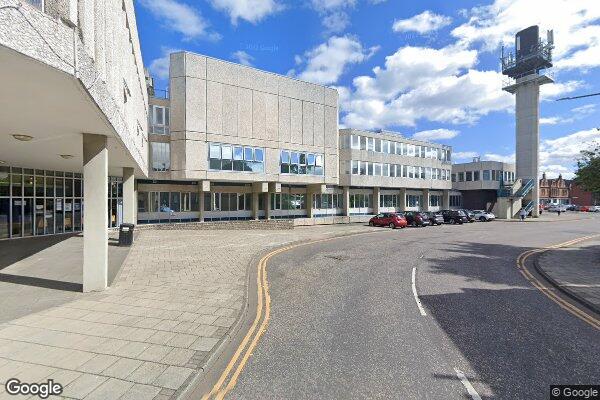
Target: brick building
<point>554,191</point>
<point>580,197</point>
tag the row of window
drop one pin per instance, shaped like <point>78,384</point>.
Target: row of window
<point>326,201</point>
<point>394,170</point>
<point>167,201</point>
<point>227,157</point>
<point>376,145</point>
<point>487,174</point>
<point>160,156</point>
<point>301,163</point>
<point>455,201</point>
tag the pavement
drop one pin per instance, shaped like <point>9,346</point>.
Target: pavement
<point>176,297</point>
<point>576,270</point>
<point>345,322</point>
<point>42,272</point>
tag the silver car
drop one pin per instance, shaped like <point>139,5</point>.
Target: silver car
<point>483,216</point>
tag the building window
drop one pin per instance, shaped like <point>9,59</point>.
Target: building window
<point>486,175</point>
<point>461,176</point>
<point>476,176</point>
<point>228,157</point>
<point>159,120</point>
<point>301,163</point>
<point>361,200</point>
<point>327,201</point>
<point>388,200</point>
<point>413,200</point>
<point>435,200</point>
<point>287,201</point>
<point>469,176</point>
<point>455,201</point>
<point>160,156</point>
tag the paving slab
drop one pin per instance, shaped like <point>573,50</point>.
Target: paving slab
<point>146,337</point>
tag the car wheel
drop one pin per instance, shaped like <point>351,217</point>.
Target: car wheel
<point>482,219</point>
<point>371,223</point>
<point>391,225</point>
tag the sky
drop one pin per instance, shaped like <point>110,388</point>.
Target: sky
<point>427,69</point>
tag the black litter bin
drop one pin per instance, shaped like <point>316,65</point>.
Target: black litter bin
<point>126,234</point>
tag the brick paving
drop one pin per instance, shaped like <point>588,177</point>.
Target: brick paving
<point>576,269</point>
<point>177,296</point>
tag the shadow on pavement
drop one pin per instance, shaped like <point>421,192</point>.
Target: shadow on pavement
<point>41,282</point>
<point>516,340</point>
<point>12,251</point>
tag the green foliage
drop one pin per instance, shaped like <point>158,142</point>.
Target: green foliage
<point>588,169</point>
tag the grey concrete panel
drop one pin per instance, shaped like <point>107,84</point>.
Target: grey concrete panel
<point>244,112</point>
<point>258,115</point>
<point>195,119</point>
<point>214,111</point>
<point>178,104</point>
<point>230,110</point>
<point>307,123</point>
<point>284,119</point>
<point>177,65</point>
<point>295,121</point>
<point>195,65</point>
<point>222,71</point>
<point>319,125</point>
<point>271,117</point>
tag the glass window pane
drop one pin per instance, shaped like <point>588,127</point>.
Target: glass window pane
<point>258,155</point>
<point>238,153</point>
<point>319,160</point>
<point>311,159</point>
<point>4,182</point>
<point>295,158</point>
<point>215,150</point>
<point>285,156</point>
<point>175,201</point>
<point>226,152</point>
<point>248,156</point>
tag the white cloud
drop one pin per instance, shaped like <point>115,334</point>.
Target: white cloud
<point>252,11</point>
<point>417,82</point>
<point>328,61</point>
<point>181,18</point>
<point>464,155</point>
<point>586,109</point>
<point>553,90</point>
<point>499,157</point>
<point>332,5</point>
<point>336,22</point>
<point>423,23</point>
<point>577,39</point>
<point>577,113</point>
<point>159,67</point>
<point>436,134</point>
<point>551,121</point>
<point>565,150</point>
<point>242,57</point>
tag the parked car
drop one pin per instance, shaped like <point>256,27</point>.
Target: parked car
<point>416,218</point>
<point>483,216</point>
<point>584,208</point>
<point>571,207</point>
<point>393,220</point>
<point>454,216</point>
<point>435,218</point>
<point>557,208</point>
<point>470,215</point>
<point>594,209</point>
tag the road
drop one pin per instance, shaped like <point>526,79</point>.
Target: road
<point>345,322</point>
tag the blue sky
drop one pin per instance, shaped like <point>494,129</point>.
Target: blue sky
<point>422,68</point>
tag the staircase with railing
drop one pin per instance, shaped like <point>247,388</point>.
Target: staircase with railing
<point>511,197</point>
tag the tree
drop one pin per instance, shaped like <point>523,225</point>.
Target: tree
<point>588,169</point>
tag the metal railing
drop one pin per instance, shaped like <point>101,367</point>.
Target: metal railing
<point>529,207</point>
<point>526,188</point>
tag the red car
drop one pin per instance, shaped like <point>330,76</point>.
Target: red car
<point>393,220</point>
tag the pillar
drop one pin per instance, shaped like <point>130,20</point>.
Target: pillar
<point>425,205</point>
<point>255,205</point>
<point>257,189</point>
<point>129,197</point>
<point>376,200</point>
<point>203,187</point>
<point>267,202</point>
<point>95,227</point>
<point>446,200</point>
<point>402,202</point>
<point>309,203</point>
<point>346,201</point>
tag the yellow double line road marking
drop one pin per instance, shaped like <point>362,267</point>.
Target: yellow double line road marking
<point>550,292</point>
<point>259,326</point>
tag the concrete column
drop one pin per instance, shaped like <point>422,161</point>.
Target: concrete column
<point>203,187</point>
<point>267,205</point>
<point>129,197</point>
<point>376,202</point>
<point>402,202</point>
<point>346,201</point>
<point>255,205</point>
<point>309,203</point>
<point>446,200</point>
<point>95,227</point>
<point>425,205</point>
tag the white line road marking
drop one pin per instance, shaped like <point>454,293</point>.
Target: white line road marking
<point>470,389</point>
<point>414,289</point>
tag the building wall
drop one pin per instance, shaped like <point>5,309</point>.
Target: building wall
<point>220,102</point>
<point>96,42</point>
<point>581,197</point>
<point>506,175</point>
<point>554,191</point>
<point>349,154</point>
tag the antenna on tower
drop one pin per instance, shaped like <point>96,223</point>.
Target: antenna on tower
<point>550,36</point>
